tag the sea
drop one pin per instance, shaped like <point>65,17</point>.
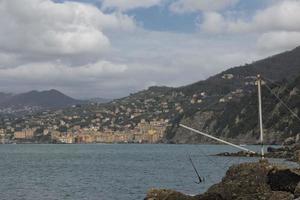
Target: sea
<point>110,171</point>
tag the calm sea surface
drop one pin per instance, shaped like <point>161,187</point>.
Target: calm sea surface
<point>107,172</point>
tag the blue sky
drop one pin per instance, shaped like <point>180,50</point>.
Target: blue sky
<point>110,48</point>
<point>160,18</point>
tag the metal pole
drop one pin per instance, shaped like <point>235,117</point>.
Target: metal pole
<point>217,139</point>
<point>260,116</point>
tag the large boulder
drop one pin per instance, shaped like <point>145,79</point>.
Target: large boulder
<point>283,179</point>
<point>247,181</point>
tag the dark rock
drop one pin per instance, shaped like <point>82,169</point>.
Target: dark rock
<point>247,181</point>
<point>291,153</point>
<point>297,156</point>
<point>238,154</point>
<point>297,138</point>
<point>283,180</point>
<point>289,141</point>
<point>297,190</point>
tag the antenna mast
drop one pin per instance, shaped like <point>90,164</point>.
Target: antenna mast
<point>259,83</point>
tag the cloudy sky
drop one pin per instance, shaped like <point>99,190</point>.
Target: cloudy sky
<point>110,48</point>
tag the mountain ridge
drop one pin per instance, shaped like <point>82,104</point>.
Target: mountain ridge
<point>45,99</point>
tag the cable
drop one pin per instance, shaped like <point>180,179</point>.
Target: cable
<point>272,81</point>
<point>276,84</point>
<point>283,103</point>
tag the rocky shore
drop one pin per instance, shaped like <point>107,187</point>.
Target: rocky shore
<point>289,152</point>
<point>247,181</point>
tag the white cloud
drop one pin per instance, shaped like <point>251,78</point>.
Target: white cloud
<point>138,59</point>
<point>213,22</point>
<point>176,59</point>
<point>44,44</point>
<point>284,15</point>
<point>84,81</point>
<point>124,5</point>
<point>277,27</point>
<point>281,16</point>
<point>184,6</point>
<point>59,71</point>
<point>46,28</point>
<point>278,41</point>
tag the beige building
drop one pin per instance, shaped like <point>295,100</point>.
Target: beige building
<point>24,134</point>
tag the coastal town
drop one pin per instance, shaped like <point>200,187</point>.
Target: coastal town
<point>144,132</point>
<point>143,117</point>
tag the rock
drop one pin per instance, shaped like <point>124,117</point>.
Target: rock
<point>297,156</point>
<point>296,147</point>
<point>283,180</point>
<point>247,181</point>
<point>289,141</point>
<point>297,190</point>
<point>279,195</point>
<point>210,196</point>
<point>271,149</point>
<point>163,194</point>
<point>297,140</point>
<point>238,154</point>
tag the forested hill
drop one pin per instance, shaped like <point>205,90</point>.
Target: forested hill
<point>238,120</point>
<point>218,104</point>
<point>278,67</point>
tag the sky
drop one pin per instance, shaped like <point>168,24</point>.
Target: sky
<point>111,48</point>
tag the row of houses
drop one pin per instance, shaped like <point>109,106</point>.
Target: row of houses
<point>144,132</point>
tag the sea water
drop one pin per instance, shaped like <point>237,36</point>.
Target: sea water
<point>108,172</point>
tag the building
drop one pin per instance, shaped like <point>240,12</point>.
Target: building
<point>228,76</point>
<point>24,134</point>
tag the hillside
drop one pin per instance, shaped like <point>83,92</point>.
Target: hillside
<point>36,99</point>
<point>238,121</point>
<point>4,96</point>
<point>281,66</point>
<point>99,100</point>
<point>224,105</point>
<point>215,104</point>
